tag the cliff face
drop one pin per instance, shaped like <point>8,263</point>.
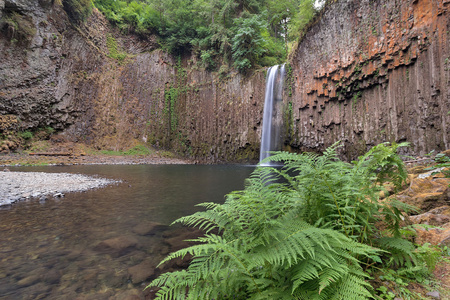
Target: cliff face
<point>366,72</point>
<point>374,71</point>
<point>113,91</point>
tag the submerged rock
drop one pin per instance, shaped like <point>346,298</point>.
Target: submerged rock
<point>178,239</point>
<point>142,271</point>
<point>149,228</point>
<point>29,280</point>
<point>117,246</point>
<point>133,294</point>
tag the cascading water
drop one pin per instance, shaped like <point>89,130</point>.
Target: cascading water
<point>272,118</point>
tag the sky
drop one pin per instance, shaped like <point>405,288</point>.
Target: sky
<point>319,3</point>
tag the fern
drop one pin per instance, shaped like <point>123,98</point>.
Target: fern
<point>298,232</point>
<point>344,196</point>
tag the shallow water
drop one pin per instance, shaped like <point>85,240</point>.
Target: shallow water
<point>50,250</point>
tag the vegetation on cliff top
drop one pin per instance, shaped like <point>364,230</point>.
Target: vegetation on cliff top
<point>314,229</point>
<point>241,33</point>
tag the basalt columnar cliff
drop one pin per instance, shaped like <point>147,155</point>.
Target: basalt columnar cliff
<point>365,72</point>
<point>374,71</point>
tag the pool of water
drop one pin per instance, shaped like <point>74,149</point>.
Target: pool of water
<point>105,243</point>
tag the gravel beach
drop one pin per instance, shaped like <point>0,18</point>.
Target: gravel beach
<point>16,186</point>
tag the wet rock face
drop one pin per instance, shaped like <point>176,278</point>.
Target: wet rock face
<point>374,71</point>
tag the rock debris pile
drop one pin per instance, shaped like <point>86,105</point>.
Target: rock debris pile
<point>16,186</point>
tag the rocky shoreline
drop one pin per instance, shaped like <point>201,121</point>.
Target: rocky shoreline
<point>17,186</point>
<point>27,160</point>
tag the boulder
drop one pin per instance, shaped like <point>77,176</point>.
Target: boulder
<point>427,193</point>
<point>434,236</point>
<point>52,276</point>
<point>117,246</point>
<point>436,217</point>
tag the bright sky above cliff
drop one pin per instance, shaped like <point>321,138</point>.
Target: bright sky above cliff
<point>319,3</point>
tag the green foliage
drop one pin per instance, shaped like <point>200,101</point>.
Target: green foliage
<point>265,251</point>
<point>395,282</point>
<point>50,130</point>
<point>207,57</point>
<point>136,150</point>
<point>383,161</point>
<point>245,34</point>
<point>171,95</point>
<point>248,42</point>
<point>303,231</point>
<point>26,135</point>
<point>304,13</point>
<point>77,10</point>
<point>342,196</point>
<point>114,52</point>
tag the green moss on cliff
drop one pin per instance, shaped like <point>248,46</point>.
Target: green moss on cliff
<point>113,49</point>
<point>77,10</point>
<point>18,28</point>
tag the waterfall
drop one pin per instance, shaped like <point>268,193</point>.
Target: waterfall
<point>272,118</point>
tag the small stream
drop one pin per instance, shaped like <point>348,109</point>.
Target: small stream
<point>105,243</point>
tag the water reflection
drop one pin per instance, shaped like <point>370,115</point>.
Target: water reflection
<point>86,245</point>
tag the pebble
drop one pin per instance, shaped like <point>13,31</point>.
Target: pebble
<point>40,185</point>
<point>434,295</point>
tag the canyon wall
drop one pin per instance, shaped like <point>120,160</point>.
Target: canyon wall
<point>113,91</point>
<point>366,72</point>
<point>372,71</point>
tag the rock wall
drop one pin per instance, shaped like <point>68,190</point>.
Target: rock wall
<point>371,71</point>
<point>69,77</point>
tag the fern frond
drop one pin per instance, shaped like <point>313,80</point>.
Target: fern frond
<point>401,251</point>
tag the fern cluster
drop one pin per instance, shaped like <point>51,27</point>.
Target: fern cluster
<point>303,231</point>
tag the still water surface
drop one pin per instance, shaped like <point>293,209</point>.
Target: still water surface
<point>48,249</point>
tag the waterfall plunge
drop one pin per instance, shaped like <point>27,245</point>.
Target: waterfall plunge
<point>272,118</point>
